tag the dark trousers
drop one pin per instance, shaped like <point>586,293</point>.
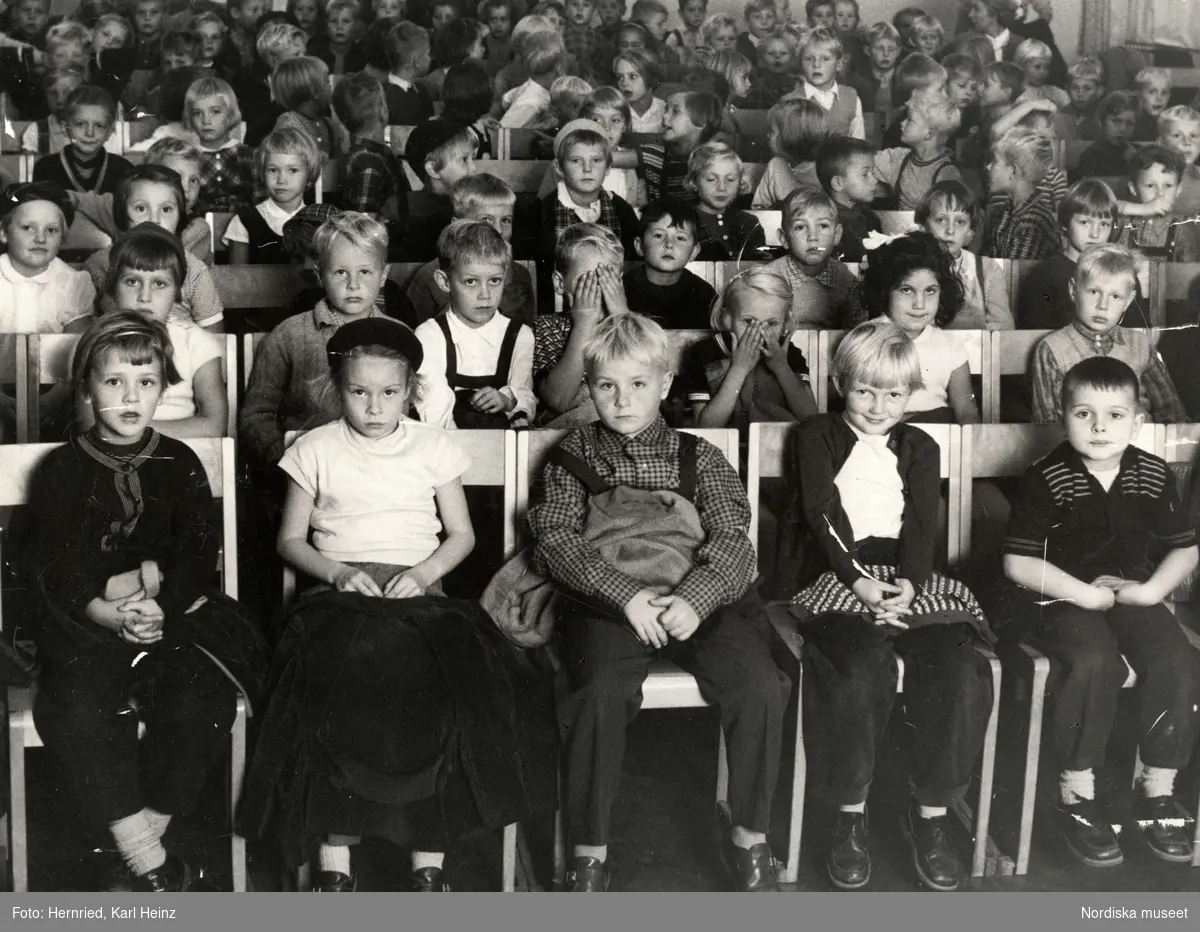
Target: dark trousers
<point>1087,672</point>
<point>82,714</point>
<point>729,655</point>
<point>850,677</point>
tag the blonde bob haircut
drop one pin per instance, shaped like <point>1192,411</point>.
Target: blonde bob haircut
<point>363,232</point>
<point>299,80</point>
<point>704,156</point>
<point>878,354</point>
<point>627,336</point>
<point>211,87</point>
<point>288,141</point>
<point>753,284</point>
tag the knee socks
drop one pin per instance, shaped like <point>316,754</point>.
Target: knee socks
<point>139,843</point>
<point>1076,786</point>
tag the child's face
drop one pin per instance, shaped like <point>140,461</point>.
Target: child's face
<point>1001,175</point>
<point>499,22</point>
<point>872,410</point>
<point>1037,71</point>
<point>151,294</point>
<point>211,40</point>
<point>58,92</point>
<point>340,26</point>
<point>656,24</point>
<point>630,39</point>
<point>630,82</point>
<point>33,231</point>
<point>761,22</point>
<point>611,12</point>
<point>374,392</point>
<point>351,277</point>
<point>741,85</point>
<point>884,53</point>
<point>31,17</point>
<point>1083,92</point>
<point>306,14</point>
<point>1118,127</point>
<point>390,9</point>
<point>1157,185</point>
<point>286,176</point>
<point>579,12</point>
<point>210,120</point>
<point>913,129</point>
<point>109,36</point>
<point>927,42</point>
<point>845,18</point>
<point>811,236</point>
<point>475,288</point>
<point>148,19</point>
<point>1101,301</point>
<point>555,18</point>
<point>497,214</point>
<point>152,202</point>
<point>614,124</point>
<point>718,184</point>
<point>1185,139</point>
<point>724,39</point>
<point>693,12</point>
<point>1101,423</point>
<point>123,397</point>
<point>962,89</point>
<point>583,169</point>
<point>1154,95</point>
<point>459,163</point>
<point>1084,230</point>
<point>769,312</point>
<point>627,394</point>
<point>189,175</point>
<point>775,55</point>
<point>819,66</point>
<point>667,248</point>
<point>994,92</point>
<point>677,123</point>
<point>858,178</point>
<point>442,14</point>
<point>952,228</point>
<point>178,60</point>
<point>824,14</point>
<point>67,55</point>
<point>913,303</point>
<point>982,19</point>
<point>250,13</point>
<point>89,127</point>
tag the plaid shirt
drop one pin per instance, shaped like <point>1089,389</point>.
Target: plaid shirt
<point>845,310</point>
<point>371,176</point>
<point>724,565</point>
<point>228,181</point>
<point>1027,231</point>
<point>565,217</point>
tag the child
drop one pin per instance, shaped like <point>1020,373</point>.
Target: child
<point>749,371</point>
<point>283,394</point>
<point>49,135</point>
<point>691,119</point>
<point>1097,542</point>
<point>372,180</point>
<point>1021,221</point>
<point>846,169</point>
<point>39,293</point>
<point>637,75</point>
<point>723,232</point>
<point>210,31</point>
<point>29,21</point>
<point>567,95</point>
<point>1104,286</point>
<point>610,640</point>
<point>459,42</point>
<point>720,34</point>
<point>543,56</point>
<point>927,36</point>
<point>916,76</point>
<point>408,100</point>
<point>478,360</point>
<point>390,10</point>
<point>245,15</point>
<point>466,99</point>
<point>178,50</point>
<point>487,199</point>
<point>226,165</point>
<point>761,20</point>
<point>737,70</point>
<point>964,78</point>
<point>796,130</point>
<point>662,288</point>
<point>1154,177</point>
<point>286,161</point>
<point>690,38</point>
<point>301,87</point>
<point>112,31</point>
<point>868,495</point>
<point>277,42</point>
<point>103,639</point>
<point>824,291</point>
<point>498,43</point>
<point>652,16</point>
<point>924,158</point>
<point>608,108</point>
<point>874,86</point>
<point>442,13</point>
<point>579,38</point>
<point>1035,58</point>
<point>1003,83</point>
<point>440,154</point>
<point>772,78</point>
<point>1179,129</point>
<point>148,23</point>
<point>308,15</point>
<point>1085,87</point>
<point>820,53</point>
<point>1154,94</point>
<point>84,164</point>
<point>952,214</point>
<point>336,46</point>
<point>1109,156</point>
<point>912,282</point>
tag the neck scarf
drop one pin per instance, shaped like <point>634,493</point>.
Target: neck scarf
<point>129,486</point>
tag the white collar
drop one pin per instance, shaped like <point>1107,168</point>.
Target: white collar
<point>270,207</point>
<point>586,214</point>
<point>12,275</point>
<point>998,42</point>
<point>811,92</point>
<point>490,333</point>
<point>400,82</point>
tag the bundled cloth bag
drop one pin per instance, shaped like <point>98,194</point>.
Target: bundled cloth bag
<point>651,536</point>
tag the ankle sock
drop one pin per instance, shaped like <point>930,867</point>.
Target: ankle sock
<point>1158,781</point>
<point>423,859</point>
<point>138,843</point>
<point>855,807</point>
<point>158,821</point>
<point>599,852</point>
<point>1076,786</point>
<point>931,812</point>
<point>744,838</point>
<point>334,858</point>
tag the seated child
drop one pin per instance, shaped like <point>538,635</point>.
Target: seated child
<point>923,159</point>
<point>543,63</point>
<point>820,53</point>
<point>337,45</point>
<point>736,69</point>
<point>762,18</point>
<point>458,42</point>
<point>308,15</point>
<point>288,160</point>
<point>1103,288</point>
<point>637,74</point>
<point>662,288</point>
<point>1034,58</point>
<point>276,43</point>
<point>1154,177</point>
<point>1003,83</point>
<point>773,77</point>
<point>824,292</point>
<point>408,52</point>
<point>723,232</point>
<point>692,118</point>
<point>373,180</point>
<point>1108,157</point>
<point>467,99</point>
<point>608,107</point>
<point>1179,129</point>
<point>916,74</point>
<point>952,214</point>
<point>84,164</point>
<point>485,198</point>
<point>689,39</point>
<point>479,362</point>
<point>796,130</point>
<point>498,43</point>
<point>129,611</point>
<point>710,620</point>
<point>440,154</point>
<point>1021,221</point>
<point>964,80</point>
<point>1085,87</point>
<point>227,172</point>
<point>874,83</point>
<point>846,168</point>
<point>49,135</point>
<point>1154,94</point>
<point>720,34</point>
<point>927,36</point>
<point>749,371</point>
<point>300,86</point>
<point>1089,582</point>
<point>283,393</point>
<point>214,52</point>
<point>172,94</point>
<point>868,492</point>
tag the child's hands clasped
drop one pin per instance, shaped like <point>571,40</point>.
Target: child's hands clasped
<point>492,401</point>
<point>142,619</point>
<point>678,618</point>
<point>403,586</point>
<point>643,616</point>
<point>1126,591</point>
<point>350,579</point>
<point>886,601</point>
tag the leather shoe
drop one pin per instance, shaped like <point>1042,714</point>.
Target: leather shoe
<point>334,882</point>
<point>753,868</point>
<point>174,876</point>
<point>588,875</point>
<point>429,880</point>
<point>1167,828</point>
<point>1088,836</point>
<point>849,861</point>
<point>933,854</point>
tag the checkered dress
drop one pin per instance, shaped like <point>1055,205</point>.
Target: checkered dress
<point>227,179</point>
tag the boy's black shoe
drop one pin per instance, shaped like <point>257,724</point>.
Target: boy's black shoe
<point>849,862</point>
<point>589,875</point>
<point>1166,826</point>
<point>1089,838</point>
<point>175,876</point>
<point>933,854</point>
<point>429,880</point>
<point>753,868</point>
<point>334,882</point>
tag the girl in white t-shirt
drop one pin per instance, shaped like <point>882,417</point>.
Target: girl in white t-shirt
<point>911,281</point>
<point>286,162</point>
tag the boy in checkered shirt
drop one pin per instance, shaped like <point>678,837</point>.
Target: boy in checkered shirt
<point>704,617</point>
<point>373,180</point>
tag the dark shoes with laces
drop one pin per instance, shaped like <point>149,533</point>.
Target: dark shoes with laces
<point>849,861</point>
<point>932,851</point>
<point>175,876</point>
<point>753,868</point>
<point>1167,828</point>
<point>587,875</point>
<point>1089,837</point>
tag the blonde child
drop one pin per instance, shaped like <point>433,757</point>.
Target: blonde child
<point>1179,129</point>
<point>210,31</point>
<point>49,135</point>
<point>761,20</point>
<point>409,58</point>
<point>336,45</point>
<point>1035,59</point>
<point>543,57</point>
<point>927,35</point>
<point>720,34</point>
<point>301,87</point>
<point>736,69</point>
<point>1085,88</point>
<point>608,107</point>
<point>288,160</point>
<point>796,130</point>
<point>1021,219</point>
<point>1154,94</point>
<point>874,84</point>
<point>638,74</point>
<point>724,232</point>
<point>924,158</point>
<point>211,111</point>
<point>820,53</point>
<point>84,164</point>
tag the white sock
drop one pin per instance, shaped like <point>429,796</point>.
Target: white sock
<point>744,838</point>
<point>855,807</point>
<point>139,845</point>
<point>1077,785</point>
<point>1158,781</point>
<point>931,812</point>
<point>334,858</point>
<point>599,852</point>
<point>158,821</point>
<point>423,859</point>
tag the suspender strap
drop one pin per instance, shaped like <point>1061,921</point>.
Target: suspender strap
<point>497,379</point>
<point>596,485</point>
<point>687,467</point>
<point>451,356</point>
